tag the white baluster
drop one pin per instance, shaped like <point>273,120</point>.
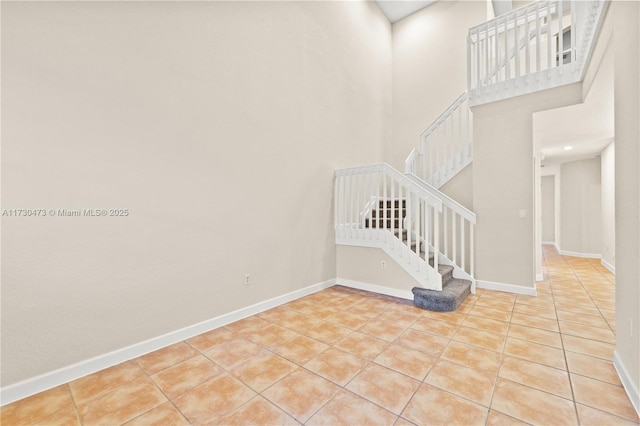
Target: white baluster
<point>446,231</point>
<point>453,140</point>
<point>345,204</point>
<point>486,56</point>
<point>336,203</point>
<point>386,206</point>
<point>444,148</point>
<point>471,250</point>
<point>453,236</point>
<point>560,37</point>
<point>469,130</point>
<point>436,240</point>
<point>462,244</point>
<point>384,197</point>
<point>359,203</point>
<point>400,218</point>
<point>460,140</point>
<point>538,47</point>
<point>507,59</point>
<point>427,227</point>
<point>366,201</point>
<point>516,45</point>
<point>431,159</point>
<point>468,62</point>
<point>527,41</point>
<point>408,218</point>
<point>478,80</point>
<point>375,199</point>
<point>416,219</point>
<point>349,206</point>
<point>496,51</point>
<point>435,176</point>
<point>423,148</point>
<point>549,63</point>
<point>573,38</point>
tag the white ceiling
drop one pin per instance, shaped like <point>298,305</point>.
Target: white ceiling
<point>395,10</point>
<point>587,127</point>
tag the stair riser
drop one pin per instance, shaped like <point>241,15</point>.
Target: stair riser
<point>442,301</point>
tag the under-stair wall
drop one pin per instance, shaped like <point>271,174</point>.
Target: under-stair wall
<point>366,267</point>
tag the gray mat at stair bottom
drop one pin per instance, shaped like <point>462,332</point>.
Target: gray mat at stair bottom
<point>447,300</point>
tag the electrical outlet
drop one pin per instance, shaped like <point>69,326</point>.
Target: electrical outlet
<point>383,264</point>
<point>522,214</point>
<point>247,280</point>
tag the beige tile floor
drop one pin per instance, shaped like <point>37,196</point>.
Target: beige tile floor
<point>343,356</point>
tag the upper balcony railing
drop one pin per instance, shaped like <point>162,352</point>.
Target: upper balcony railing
<point>538,46</point>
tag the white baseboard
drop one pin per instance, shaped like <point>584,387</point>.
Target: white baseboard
<point>509,288</point>
<point>632,391</point>
<point>403,294</point>
<point>63,375</point>
<point>539,277</point>
<point>609,266</point>
<point>551,243</point>
<point>578,254</point>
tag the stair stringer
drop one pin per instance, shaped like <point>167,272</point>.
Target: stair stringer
<point>409,260</point>
<point>458,272</point>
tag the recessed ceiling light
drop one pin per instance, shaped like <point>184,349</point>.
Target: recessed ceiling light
<point>568,148</point>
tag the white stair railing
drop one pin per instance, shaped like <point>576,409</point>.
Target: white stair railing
<point>445,146</point>
<point>378,206</point>
<point>457,236</point>
<point>587,19</point>
<point>525,50</point>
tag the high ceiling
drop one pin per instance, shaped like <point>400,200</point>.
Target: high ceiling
<point>395,10</point>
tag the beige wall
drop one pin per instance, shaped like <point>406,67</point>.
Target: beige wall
<point>364,264</point>
<point>503,147</point>
<point>429,69</point>
<point>607,180</point>
<point>217,124</point>
<point>460,187</point>
<point>626,15</point>
<point>580,207</point>
<point>548,201</point>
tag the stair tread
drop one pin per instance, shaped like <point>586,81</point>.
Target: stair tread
<point>444,269</point>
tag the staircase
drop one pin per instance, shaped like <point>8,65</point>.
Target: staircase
<point>427,233</point>
<point>454,290</point>
<point>405,214</point>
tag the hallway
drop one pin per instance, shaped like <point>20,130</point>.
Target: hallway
<point>344,356</point>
